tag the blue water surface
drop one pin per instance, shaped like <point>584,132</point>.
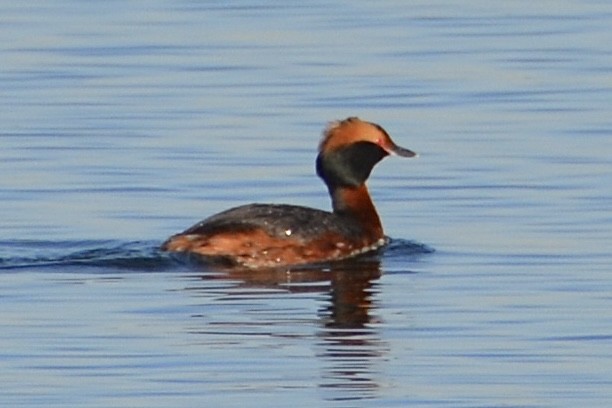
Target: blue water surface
<point>125,122</point>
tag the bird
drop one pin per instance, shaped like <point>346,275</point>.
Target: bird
<point>256,236</point>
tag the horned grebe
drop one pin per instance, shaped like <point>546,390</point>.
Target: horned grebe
<point>272,235</point>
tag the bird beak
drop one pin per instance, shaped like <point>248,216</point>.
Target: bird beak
<point>396,150</point>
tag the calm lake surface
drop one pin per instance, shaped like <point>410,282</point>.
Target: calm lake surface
<point>125,122</point>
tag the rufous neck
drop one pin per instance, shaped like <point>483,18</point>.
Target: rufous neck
<point>357,203</point>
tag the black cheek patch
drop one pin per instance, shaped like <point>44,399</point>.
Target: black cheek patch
<point>349,166</point>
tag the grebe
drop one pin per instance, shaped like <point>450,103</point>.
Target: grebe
<point>274,235</point>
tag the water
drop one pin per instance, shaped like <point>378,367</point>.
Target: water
<point>125,122</point>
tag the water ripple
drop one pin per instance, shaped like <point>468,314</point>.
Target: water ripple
<point>136,255</point>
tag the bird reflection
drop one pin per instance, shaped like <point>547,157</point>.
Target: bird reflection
<point>349,343</point>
